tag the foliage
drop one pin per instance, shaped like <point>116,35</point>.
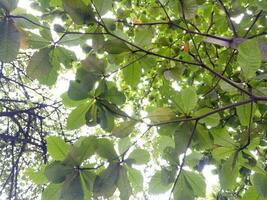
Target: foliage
<point>166,87</point>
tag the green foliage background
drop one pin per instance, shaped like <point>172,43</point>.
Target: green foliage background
<point>167,87</point>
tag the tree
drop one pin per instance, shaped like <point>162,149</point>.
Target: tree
<point>166,88</point>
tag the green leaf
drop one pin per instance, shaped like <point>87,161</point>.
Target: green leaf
<point>62,55</point>
<point>115,46</point>
<point>103,6</point>
<point>202,138</point>
<point>228,174</point>
<point>211,120</point>
<point>220,153</point>
<point>114,96</point>
<point>124,144</point>
<point>143,36</point>
<point>52,192</point>
<point>78,11</point>
<point>9,40</point>
<point>188,9</point>
<point>162,115</point>
<point>186,100</point>
<point>168,175</point>
<point>41,69</point>
<point>260,183</point>
<point>81,150</point>
<point>56,172</point>
<point>194,158</point>
<point>124,184</point>
<point>135,178</point>
<point>56,147</point>
<point>139,156</point>
<point>197,183</point>
<point>243,113</point>
<point>106,149</point>
<point>262,5</point>
<point>72,188</point>
<point>124,129</point>
<point>77,91</point>
<point>97,42</point>
<point>105,182</point>
<point>182,190</point>
<point>182,136</point>
<point>132,74</point>
<point>8,5</point>
<point>156,186</point>
<point>84,83</point>
<point>76,118</point>
<point>36,41</point>
<point>252,193</point>
<point>249,58</point>
<point>87,180</point>
<point>92,64</point>
<point>222,137</point>
<point>68,102</point>
<point>73,39</point>
<point>36,177</point>
<point>112,108</point>
<point>162,142</point>
<point>91,116</point>
<point>106,119</point>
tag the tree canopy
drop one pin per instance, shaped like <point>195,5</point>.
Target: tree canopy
<point>160,89</point>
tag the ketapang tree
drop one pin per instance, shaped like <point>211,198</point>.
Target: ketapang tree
<point>151,93</point>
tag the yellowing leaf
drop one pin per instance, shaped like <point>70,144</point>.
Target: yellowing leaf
<point>23,40</point>
<point>41,69</point>
<point>162,115</point>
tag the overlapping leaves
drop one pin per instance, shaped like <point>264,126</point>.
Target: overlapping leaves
<point>71,177</point>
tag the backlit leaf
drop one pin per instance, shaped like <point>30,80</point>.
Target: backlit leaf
<point>161,115</point>
<point>249,58</point>
<point>41,69</point>
<point>132,74</point>
<point>9,40</point>
<point>139,156</point>
<point>51,192</point>
<point>260,183</point>
<point>124,129</point>
<point>156,186</point>
<point>77,117</point>
<point>186,100</point>
<point>78,11</point>
<point>124,184</point>
<point>56,147</point>
<point>56,172</point>
<point>106,149</point>
<point>105,182</point>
